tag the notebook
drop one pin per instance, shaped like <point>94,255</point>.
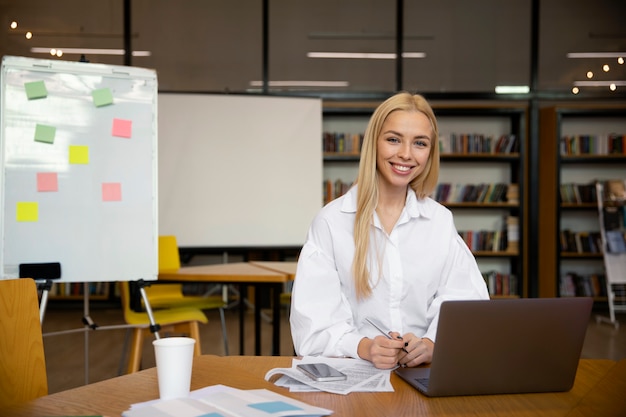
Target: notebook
<point>504,346</point>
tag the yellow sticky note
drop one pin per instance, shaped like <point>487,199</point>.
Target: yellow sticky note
<point>79,154</point>
<point>27,211</point>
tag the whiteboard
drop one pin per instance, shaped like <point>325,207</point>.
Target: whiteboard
<point>238,170</point>
<point>78,170</point>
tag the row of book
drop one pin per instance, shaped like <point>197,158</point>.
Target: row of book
<point>342,142</point>
<point>576,285</point>
<point>68,289</point>
<point>580,242</point>
<point>474,193</point>
<point>473,143</point>
<point>486,240</point>
<point>334,189</point>
<point>608,144</point>
<point>578,193</point>
<point>499,283</point>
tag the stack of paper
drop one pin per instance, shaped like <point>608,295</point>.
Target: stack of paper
<point>223,401</point>
<point>362,376</point>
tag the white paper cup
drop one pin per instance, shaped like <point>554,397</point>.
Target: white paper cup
<point>174,359</point>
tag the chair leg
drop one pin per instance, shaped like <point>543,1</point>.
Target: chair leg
<point>224,333</point>
<point>136,346</point>
<point>192,329</point>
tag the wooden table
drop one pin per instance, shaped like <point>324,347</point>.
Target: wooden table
<point>288,268</point>
<point>242,274</point>
<point>589,396</point>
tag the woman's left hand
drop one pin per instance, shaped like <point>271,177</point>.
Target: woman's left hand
<point>418,350</point>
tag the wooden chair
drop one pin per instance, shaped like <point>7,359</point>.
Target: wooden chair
<point>161,295</point>
<point>23,369</point>
<point>172,321</point>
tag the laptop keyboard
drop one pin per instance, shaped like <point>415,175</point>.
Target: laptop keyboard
<point>423,381</point>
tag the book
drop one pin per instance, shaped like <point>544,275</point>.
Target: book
<point>224,401</point>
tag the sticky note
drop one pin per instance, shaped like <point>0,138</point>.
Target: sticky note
<point>35,90</point>
<point>111,191</point>
<point>47,181</point>
<point>122,128</point>
<point>102,97</point>
<point>44,133</point>
<point>274,406</point>
<point>27,211</point>
<point>79,154</point>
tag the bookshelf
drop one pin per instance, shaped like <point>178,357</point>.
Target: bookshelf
<point>485,180</point>
<point>576,149</point>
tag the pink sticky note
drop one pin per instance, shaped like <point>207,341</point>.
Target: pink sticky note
<point>122,128</point>
<point>47,181</point>
<point>111,191</point>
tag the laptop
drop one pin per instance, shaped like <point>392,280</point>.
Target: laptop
<point>504,346</point>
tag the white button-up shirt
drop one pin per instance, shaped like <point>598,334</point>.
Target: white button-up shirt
<point>422,263</point>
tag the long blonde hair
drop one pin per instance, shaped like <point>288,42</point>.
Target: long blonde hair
<point>367,179</point>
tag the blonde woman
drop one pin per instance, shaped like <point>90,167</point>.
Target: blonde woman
<point>384,250</point>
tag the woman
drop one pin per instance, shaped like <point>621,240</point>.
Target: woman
<point>384,250</point>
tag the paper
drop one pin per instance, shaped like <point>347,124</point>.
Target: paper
<point>35,90</point>
<point>79,154</point>
<point>122,128</point>
<point>362,376</point>
<point>111,191</point>
<point>27,211</point>
<point>47,181</point>
<point>224,401</point>
<point>102,97</point>
<point>45,133</point>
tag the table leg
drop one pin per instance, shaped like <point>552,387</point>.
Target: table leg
<point>242,310</point>
<point>257,320</point>
<point>276,290</point>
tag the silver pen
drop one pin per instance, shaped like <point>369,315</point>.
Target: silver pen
<point>380,329</point>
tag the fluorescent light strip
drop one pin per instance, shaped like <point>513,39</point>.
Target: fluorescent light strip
<point>512,89</point>
<point>89,51</point>
<point>301,83</point>
<point>596,54</point>
<point>363,55</point>
<point>598,83</point>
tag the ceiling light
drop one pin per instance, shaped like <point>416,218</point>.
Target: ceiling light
<point>512,89</point>
<point>589,74</point>
<point>605,68</point>
<point>599,83</point>
<point>363,55</point>
<point>301,83</point>
<point>596,54</point>
<point>575,90</point>
<point>29,35</point>
<point>620,60</point>
<point>88,51</point>
<point>13,25</point>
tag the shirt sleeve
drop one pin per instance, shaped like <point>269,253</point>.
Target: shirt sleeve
<point>321,318</point>
<point>462,280</point>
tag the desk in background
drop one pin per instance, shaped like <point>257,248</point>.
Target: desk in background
<point>242,274</point>
<point>598,391</point>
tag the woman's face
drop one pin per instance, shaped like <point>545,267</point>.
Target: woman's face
<point>402,148</point>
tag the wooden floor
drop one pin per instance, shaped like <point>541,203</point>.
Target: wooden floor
<point>65,353</point>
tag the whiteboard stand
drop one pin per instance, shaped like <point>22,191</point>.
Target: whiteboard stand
<point>89,324</point>
<point>45,287</point>
<point>614,264</point>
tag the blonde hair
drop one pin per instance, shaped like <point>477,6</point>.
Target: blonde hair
<point>367,179</point>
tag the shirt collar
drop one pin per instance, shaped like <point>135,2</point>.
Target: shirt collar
<point>414,207</point>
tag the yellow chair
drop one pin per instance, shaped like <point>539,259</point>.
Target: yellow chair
<point>161,295</point>
<point>23,365</point>
<point>171,320</point>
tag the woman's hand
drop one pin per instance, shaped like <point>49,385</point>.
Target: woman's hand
<point>384,353</point>
<point>418,350</point>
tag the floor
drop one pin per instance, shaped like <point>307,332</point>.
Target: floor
<point>65,342</point>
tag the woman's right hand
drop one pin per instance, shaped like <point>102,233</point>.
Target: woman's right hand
<point>381,351</point>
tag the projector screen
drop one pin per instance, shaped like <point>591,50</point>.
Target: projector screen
<point>238,171</point>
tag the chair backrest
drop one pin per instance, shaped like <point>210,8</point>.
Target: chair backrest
<point>23,364</point>
<point>169,258</point>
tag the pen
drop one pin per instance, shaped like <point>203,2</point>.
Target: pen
<point>377,327</point>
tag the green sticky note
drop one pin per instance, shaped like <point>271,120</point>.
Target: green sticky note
<point>44,133</point>
<point>102,97</point>
<point>27,211</point>
<point>36,89</point>
<point>79,154</point>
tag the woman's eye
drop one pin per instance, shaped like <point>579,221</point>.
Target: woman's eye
<point>421,143</point>
<point>393,140</point>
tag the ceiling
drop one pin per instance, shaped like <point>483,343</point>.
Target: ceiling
<point>217,45</point>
